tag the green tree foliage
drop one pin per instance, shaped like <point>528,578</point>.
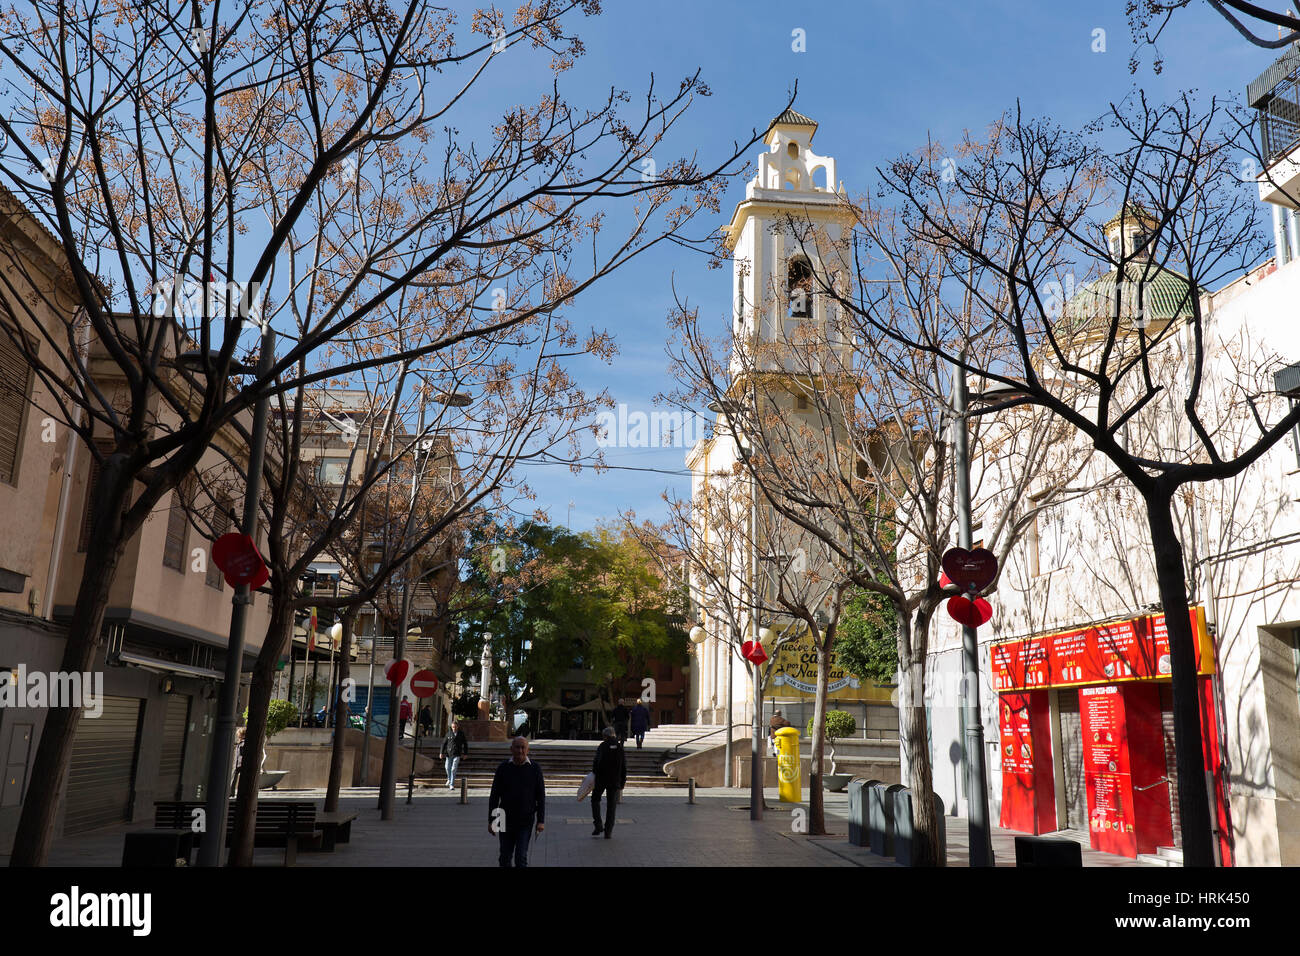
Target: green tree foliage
<point>866,643</point>
<point>838,724</point>
<point>554,600</point>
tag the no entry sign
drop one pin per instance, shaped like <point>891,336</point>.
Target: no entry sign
<point>396,671</point>
<point>424,684</point>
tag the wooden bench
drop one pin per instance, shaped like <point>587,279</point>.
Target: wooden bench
<point>279,823</point>
<point>335,828</point>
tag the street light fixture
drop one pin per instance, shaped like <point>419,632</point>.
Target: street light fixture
<point>227,709</point>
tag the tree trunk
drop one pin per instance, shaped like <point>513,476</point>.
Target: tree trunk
<point>278,634</point>
<point>1193,794</point>
<point>816,794</point>
<point>36,824</point>
<point>341,714</point>
<point>915,736</point>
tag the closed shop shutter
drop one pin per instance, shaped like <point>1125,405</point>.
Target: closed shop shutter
<point>172,766</point>
<point>1074,786</point>
<point>1171,759</point>
<point>102,773</point>
<point>15,380</point>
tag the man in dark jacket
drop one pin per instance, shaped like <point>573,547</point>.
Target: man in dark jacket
<point>520,792</point>
<point>619,716</point>
<point>610,768</point>
<point>640,723</point>
<point>454,746</point>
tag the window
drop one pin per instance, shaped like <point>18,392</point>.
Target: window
<point>220,525</point>
<point>1031,547</point>
<point>1287,382</point>
<point>332,471</point>
<point>15,383</point>
<point>799,285</point>
<point>178,525</point>
<point>105,447</point>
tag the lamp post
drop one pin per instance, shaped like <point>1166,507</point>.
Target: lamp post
<point>388,781</point>
<point>977,798</point>
<point>224,737</point>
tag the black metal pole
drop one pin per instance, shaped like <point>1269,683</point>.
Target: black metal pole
<point>223,740</point>
<point>977,800</point>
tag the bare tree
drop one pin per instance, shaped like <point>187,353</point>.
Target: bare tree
<point>307,153</point>
<point>1043,196</point>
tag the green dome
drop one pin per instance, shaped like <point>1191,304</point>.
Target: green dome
<point>1162,295</point>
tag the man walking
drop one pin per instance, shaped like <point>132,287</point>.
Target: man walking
<point>519,790</point>
<point>619,716</point>
<point>610,768</point>
<point>640,723</point>
<point>454,746</point>
<point>403,717</point>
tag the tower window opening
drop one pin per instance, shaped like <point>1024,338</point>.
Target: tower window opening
<point>792,150</point>
<point>799,283</point>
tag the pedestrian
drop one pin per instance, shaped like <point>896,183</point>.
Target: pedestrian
<point>640,723</point>
<point>610,767</point>
<point>620,717</point>
<point>776,723</point>
<point>520,791</point>
<point>403,717</point>
<point>426,721</point>
<point>240,734</point>
<point>454,746</point>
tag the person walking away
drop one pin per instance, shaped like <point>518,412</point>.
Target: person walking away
<point>454,746</point>
<point>620,717</point>
<point>518,789</point>
<point>403,717</point>
<point>640,723</point>
<point>240,734</point>
<point>426,721</point>
<point>776,723</point>
<point>610,767</point>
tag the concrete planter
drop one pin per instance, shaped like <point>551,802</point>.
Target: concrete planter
<point>836,782</point>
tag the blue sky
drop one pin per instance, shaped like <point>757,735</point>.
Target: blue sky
<point>878,77</point>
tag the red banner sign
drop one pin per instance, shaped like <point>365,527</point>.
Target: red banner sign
<point>237,557</point>
<point>1106,770</point>
<point>1136,649</point>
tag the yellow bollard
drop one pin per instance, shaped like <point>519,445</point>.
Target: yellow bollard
<point>787,765</point>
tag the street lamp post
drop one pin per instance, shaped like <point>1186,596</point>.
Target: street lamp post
<point>223,740</point>
<point>977,809</point>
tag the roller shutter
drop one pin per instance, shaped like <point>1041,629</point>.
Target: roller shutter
<point>172,765</point>
<point>102,774</point>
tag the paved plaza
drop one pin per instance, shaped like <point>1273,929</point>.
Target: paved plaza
<point>656,827</point>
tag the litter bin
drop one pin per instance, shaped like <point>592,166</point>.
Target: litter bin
<point>905,829</point>
<point>1047,851</point>
<point>858,790</point>
<point>880,817</point>
<point>787,765</point>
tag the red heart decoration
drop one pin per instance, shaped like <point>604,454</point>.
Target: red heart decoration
<point>968,612</point>
<point>237,557</point>
<point>753,652</point>
<point>396,671</point>
<point>970,570</point>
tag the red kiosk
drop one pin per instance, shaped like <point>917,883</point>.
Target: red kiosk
<point>1121,673</point>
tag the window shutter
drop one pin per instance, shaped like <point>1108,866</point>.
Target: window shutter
<point>92,480</point>
<point>220,525</point>
<point>15,382</point>
<point>177,525</point>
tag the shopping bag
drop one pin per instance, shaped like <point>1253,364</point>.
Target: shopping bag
<point>588,784</point>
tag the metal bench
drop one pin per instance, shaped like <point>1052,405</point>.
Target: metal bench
<point>280,823</point>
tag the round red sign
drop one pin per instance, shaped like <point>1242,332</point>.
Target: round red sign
<point>424,683</point>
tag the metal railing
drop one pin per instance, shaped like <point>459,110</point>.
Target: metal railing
<point>1275,94</point>
<point>716,730</point>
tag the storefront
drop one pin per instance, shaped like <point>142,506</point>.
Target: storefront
<point>1086,720</point>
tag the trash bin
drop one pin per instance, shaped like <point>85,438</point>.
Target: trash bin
<point>787,765</point>
<point>904,829</point>
<point>858,831</point>
<point>1047,851</point>
<point>880,817</point>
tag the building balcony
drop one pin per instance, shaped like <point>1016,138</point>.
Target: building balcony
<point>1275,94</point>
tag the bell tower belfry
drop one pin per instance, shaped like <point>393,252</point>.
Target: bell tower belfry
<point>785,235</point>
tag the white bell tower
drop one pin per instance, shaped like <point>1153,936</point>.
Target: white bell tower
<point>785,235</point>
